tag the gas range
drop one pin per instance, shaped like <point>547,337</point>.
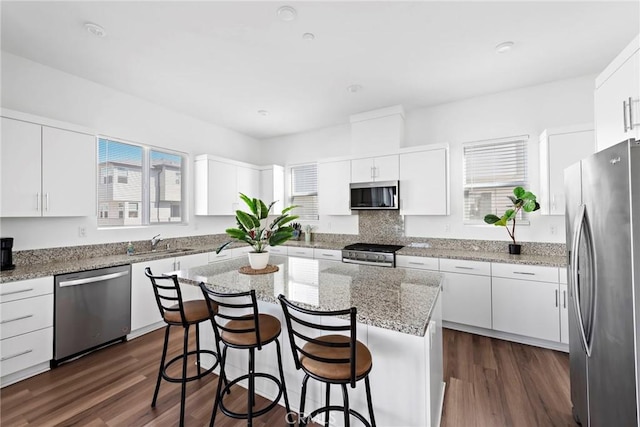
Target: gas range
<point>370,254</point>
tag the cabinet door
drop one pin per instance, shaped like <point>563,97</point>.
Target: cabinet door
<point>386,168</point>
<point>466,299</point>
<point>333,188</point>
<point>423,183</point>
<point>223,186</point>
<point>564,314</point>
<point>191,292</point>
<point>362,170</point>
<point>248,183</point>
<point>526,308</point>
<point>610,113</point>
<point>68,173</point>
<point>272,187</point>
<point>20,171</point>
<point>144,309</point>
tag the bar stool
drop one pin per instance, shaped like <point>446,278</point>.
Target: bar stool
<point>331,359</point>
<point>176,312</point>
<point>236,329</point>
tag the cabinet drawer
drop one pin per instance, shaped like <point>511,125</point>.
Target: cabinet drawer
<point>465,267</point>
<point>12,291</point>
<point>26,315</point>
<point>525,272</point>
<point>330,254</point>
<point>278,250</point>
<point>562,275</point>
<point>242,251</point>
<point>422,263</point>
<point>300,252</point>
<point>222,256</point>
<point>24,351</point>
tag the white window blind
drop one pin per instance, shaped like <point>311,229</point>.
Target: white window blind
<point>492,169</point>
<point>304,191</point>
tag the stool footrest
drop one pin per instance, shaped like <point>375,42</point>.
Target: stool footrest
<point>194,377</point>
<point>335,408</point>
<point>244,415</point>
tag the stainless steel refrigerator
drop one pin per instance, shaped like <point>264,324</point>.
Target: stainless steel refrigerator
<point>603,245</point>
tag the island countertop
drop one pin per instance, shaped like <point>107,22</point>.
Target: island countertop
<point>391,298</point>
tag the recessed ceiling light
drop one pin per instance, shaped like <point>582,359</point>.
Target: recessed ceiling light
<point>504,47</point>
<point>354,88</point>
<point>286,13</point>
<point>308,36</point>
<point>263,112</point>
<point>95,29</point>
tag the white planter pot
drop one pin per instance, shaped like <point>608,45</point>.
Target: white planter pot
<point>258,260</point>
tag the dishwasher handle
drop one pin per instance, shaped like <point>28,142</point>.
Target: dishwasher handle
<point>93,279</point>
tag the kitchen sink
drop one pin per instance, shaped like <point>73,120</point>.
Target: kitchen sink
<point>162,251</point>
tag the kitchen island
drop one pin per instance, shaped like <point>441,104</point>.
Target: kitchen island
<point>399,319</point>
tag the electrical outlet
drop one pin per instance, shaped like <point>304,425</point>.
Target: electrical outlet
<point>447,228</point>
<point>82,232</point>
<point>553,229</point>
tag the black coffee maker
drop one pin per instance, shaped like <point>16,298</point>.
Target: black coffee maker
<point>6,245</point>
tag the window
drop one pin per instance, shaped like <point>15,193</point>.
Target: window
<point>138,185</point>
<point>492,169</point>
<point>304,191</point>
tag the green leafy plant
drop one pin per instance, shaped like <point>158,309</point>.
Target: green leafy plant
<point>255,229</point>
<point>521,200</point>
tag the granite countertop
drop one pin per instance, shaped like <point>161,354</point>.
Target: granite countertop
<point>479,255</point>
<point>395,299</point>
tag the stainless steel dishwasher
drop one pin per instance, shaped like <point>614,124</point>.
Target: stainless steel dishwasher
<point>92,308</point>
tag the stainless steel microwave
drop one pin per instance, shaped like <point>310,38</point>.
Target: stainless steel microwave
<point>374,195</point>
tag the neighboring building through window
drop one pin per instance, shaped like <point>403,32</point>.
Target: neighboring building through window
<point>146,188</point>
<point>304,191</point>
<point>492,169</point>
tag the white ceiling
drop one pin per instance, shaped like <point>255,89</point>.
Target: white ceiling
<point>223,61</point>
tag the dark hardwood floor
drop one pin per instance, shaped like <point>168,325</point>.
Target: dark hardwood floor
<point>489,383</point>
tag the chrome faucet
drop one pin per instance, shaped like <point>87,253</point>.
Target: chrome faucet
<point>154,242</point>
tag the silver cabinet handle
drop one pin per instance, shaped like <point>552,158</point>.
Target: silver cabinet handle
<point>16,292</point>
<point>329,255</point>
<point>630,113</point>
<point>46,199</point>
<point>464,268</point>
<point>564,299</point>
<point>179,264</point>
<point>15,319</point>
<point>93,279</point>
<point>526,273</point>
<point>624,115</point>
<point>38,202</point>
<point>416,263</point>
<point>556,297</point>
<point>16,355</point>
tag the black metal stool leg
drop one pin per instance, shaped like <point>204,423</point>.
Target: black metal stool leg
<point>162,360</point>
<point>284,386</point>
<point>251,397</point>
<point>219,388</point>
<point>198,347</point>
<point>302,417</point>
<point>327,404</point>
<point>345,396</point>
<point>369,403</point>
<point>183,392</point>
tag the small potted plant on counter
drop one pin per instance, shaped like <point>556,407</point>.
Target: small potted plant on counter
<point>521,200</point>
<point>255,229</point>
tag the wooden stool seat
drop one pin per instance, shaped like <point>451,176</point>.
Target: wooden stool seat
<point>335,371</point>
<point>194,312</point>
<point>269,329</point>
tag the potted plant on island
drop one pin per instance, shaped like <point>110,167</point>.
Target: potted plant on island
<point>521,200</point>
<point>255,229</point>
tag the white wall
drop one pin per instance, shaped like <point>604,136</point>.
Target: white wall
<point>517,112</point>
<point>35,89</point>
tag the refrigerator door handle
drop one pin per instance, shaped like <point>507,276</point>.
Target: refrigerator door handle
<point>577,233</point>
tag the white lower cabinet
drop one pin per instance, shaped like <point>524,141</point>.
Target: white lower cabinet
<point>328,254</point>
<point>526,301</point>
<point>466,292</point>
<point>26,328</point>
<point>145,315</point>
<point>300,252</point>
<point>417,262</point>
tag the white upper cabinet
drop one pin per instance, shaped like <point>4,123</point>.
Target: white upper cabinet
<point>424,178</point>
<point>46,171</point>
<point>383,168</point>
<point>272,186</point>
<point>559,149</point>
<point>617,98</point>
<point>219,181</point>
<point>333,187</point>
